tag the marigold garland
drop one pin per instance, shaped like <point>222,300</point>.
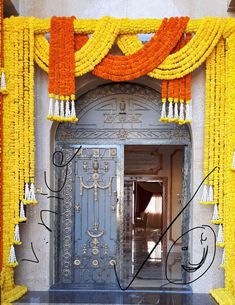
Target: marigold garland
<point>219,102</point>
<point>189,57</point>
<point>61,76</point>
<point>1,136</point>
<point>177,90</point>
<point>18,141</point>
<point>124,68</point>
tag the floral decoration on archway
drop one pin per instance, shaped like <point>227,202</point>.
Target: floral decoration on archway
<point>178,47</point>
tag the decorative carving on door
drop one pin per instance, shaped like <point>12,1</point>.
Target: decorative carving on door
<point>96,177</point>
<point>95,240</point>
<point>67,222</point>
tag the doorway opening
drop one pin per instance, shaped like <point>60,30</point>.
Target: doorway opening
<point>98,223</point>
<point>154,177</point>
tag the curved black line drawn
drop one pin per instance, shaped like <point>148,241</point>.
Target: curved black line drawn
<point>191,267</point>
<point>30,260</point>
<point>161,237</point>
<point>42,221</point>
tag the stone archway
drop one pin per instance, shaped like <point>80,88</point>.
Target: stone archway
<point>110,117</point>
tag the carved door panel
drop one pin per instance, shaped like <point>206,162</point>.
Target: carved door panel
<point>95,194</point>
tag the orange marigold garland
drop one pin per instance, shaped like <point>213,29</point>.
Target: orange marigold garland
<point>153,53</point>
<point>177,91</point>
<point>80,40</point>
<point>61,70</point>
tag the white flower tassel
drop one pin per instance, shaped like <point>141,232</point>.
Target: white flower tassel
<point>204,193</point>
<point>32,192</point>
<point>188,116</point>
<point>170,111</point>
<point>56,111</point>
<point>215,213</point>
<point>26,192</point>
<point>62,108</point>
<point>67,110</point>
<point>22,213</point>
<point>211,194</point>
<point>176,111</point>
<point>12,255</point>
<point>3,81</point>
<point>163,112</point>
<point>223,258</point>
<point>233,165</point>
<point>181,117</point>
<point>17,233</point>
<point>50,110</point>
<point>73,111</point>
<point>220,238</point>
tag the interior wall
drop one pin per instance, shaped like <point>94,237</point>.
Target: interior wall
<point>161,162</point>
<point>37,276</point>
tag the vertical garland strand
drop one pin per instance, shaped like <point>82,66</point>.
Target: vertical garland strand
<point>1,139</point>
<point>207,128</point>
<point>210,198</point>
<point>226,296</point>
<point>31,114</point>
<point>222,131</point>
<point>18,165</point>
<point>229,215</point>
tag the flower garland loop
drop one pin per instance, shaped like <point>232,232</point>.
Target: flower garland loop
<point>22,46</point>
<point>124,68</point>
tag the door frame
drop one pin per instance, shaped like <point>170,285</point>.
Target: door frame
<point>92,129</point>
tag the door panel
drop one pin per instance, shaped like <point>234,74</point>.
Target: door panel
<point>95,194</point>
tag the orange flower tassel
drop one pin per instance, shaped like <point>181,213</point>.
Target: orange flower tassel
<point>177,91</point>
<point>61,70</point>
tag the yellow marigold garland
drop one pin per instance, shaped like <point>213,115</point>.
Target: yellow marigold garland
<point>177,66</point>
<point>208,189</point>
<point>189,57</point>
<point>18,154</point>
<point>91,53</point>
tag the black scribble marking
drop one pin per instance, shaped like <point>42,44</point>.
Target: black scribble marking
<point>42,221</point>
<point>60,198</point>
<point>161,237</point>
<point>60,165</point>
<point>30,260</point>
<point>202,239</point>
<point>62,158</point>
<point>59,190</point>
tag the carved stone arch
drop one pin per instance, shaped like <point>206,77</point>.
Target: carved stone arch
<point>121,112</point>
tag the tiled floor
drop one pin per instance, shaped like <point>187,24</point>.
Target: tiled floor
<point>117,297</point>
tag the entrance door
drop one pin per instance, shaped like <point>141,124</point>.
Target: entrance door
<point>94,241</point>
<point>95,229</point>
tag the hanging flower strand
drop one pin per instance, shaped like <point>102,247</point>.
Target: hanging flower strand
<point>177,91</point>
<point>61,70</point>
